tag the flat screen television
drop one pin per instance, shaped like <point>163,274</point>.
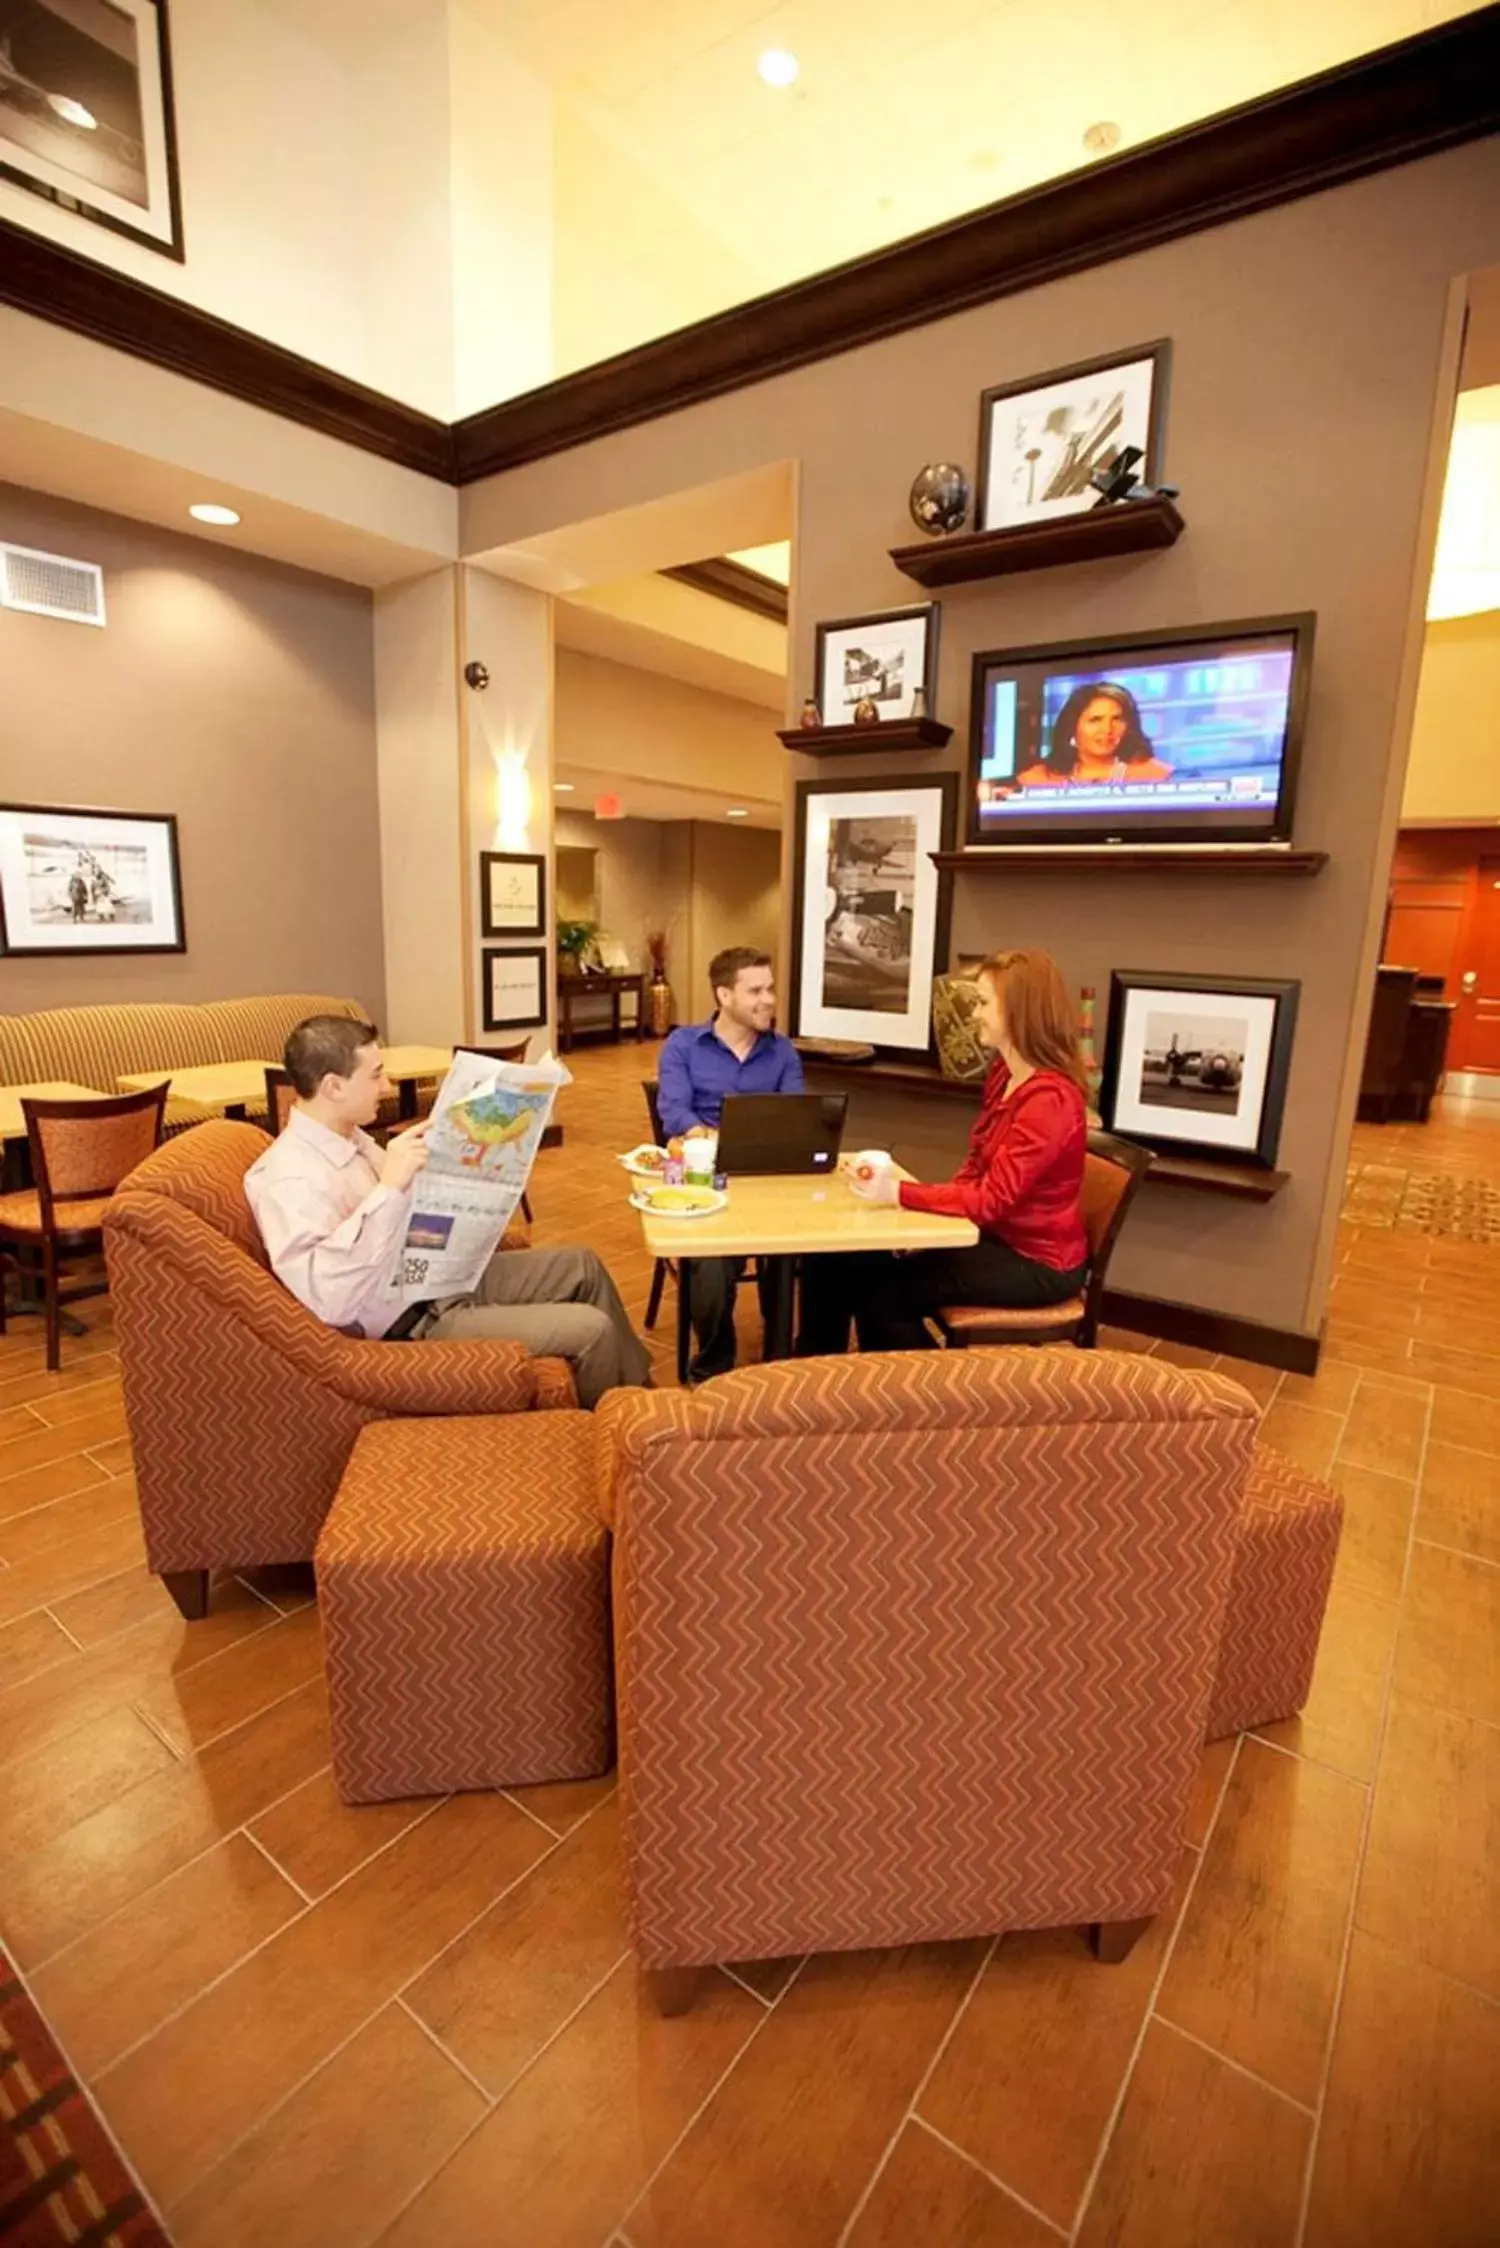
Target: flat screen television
<point>1188,736</point>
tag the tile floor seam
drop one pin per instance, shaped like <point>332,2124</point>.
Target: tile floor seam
<point>1281,1748</point>
<point>1117,2108</point>
<point>490,2102</point>
<point>1435,1545</point>
<point>263,1709</point>
<point>276,1865</point>
<point>1239,2067</point>
<point>565,2024</point>
<point>114,1639</point>
<point>390,1997</point>
<point>62,1627</point>
<point>922,2083</point>
<point>254,1592</point>
<point>1367,1820</point>
<point>991,2176</point>
<point>749,1988</point>
<point>713,2092</point>
<point>89,1584</point>
<point>535,1816</point>
<point>45,1506</point>
<point>24,1978</point>
<point>162,1735</point>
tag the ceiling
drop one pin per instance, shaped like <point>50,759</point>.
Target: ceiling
<point>660,800</point>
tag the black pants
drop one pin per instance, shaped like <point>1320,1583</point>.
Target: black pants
<point>889,1297</point>
<point>713,1288</point>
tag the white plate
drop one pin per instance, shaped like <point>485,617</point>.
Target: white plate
<point>715,1201</point>
<point>640,1170</point>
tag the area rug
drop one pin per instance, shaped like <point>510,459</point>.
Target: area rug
<point>62,2179</point>
<point>1433,1202</point>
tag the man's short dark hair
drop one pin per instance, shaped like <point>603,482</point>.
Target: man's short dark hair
<point>726,967</point>
<point>325,1045</point>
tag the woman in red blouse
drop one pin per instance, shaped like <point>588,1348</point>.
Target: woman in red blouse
<point>1019,1183</point>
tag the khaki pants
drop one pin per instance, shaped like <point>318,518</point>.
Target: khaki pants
<point>561,1303</point>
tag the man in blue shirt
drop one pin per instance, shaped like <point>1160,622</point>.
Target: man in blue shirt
<point>735,1051</point>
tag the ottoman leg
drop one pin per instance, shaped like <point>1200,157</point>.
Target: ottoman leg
<point>1114,1940</point>
<point>672,1989</point>
<point>189,1588</point>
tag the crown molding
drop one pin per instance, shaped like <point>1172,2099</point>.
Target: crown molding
<point>1392,107</point>
<point>728,580</point>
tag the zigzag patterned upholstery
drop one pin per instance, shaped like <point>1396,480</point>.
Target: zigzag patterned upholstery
<point>1285,1549</point>
<point>243,1408</point>
<point>914,1647</point>
<point>463,1579</point>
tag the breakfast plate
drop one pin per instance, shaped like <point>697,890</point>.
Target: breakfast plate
<point>678,1201</point>
<point>645,1162</point>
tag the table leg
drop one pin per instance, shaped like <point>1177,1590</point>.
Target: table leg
<point>235,1111</point>
<point>778,1338</point>
<point>614,1016</point>
<point>684,1319</point>
<point>406,1099</point>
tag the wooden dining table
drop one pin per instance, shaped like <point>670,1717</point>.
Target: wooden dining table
<point>406,1066</point>
<point>782,1219</point>
<point>230,1087</point>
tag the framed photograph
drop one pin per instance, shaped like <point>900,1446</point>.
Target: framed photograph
<point>73,881</point>
<point>1042,439</point>
<point>86,113</point>
<point>870,911</point>
<point>1197,1065</point>
<point>512,894</point>
<point>515,989</point>
<point>882,659</point>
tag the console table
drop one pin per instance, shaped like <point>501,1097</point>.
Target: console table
<point>570,989</point>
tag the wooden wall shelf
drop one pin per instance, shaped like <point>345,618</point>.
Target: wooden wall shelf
<point>1128,527</point>
<point>1248,1181</point>
<point>858,741</point>
<point>1127,858</point>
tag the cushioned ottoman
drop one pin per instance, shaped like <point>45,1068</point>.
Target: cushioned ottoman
<point>1287,1544</point>
<point>463,1577</point>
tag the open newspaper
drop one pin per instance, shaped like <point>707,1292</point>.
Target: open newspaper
<point>486,1126</point>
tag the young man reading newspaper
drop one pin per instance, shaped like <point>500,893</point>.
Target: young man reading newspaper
<point>332,1207</point>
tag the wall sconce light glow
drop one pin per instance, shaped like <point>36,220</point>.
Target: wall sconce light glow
<point>778,67</point>
<point>209,511</point>
<point>512,800</point>
<point>736,812</point>
<point>72,112</point>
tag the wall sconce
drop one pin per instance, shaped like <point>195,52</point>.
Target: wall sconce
<point>512,800</point>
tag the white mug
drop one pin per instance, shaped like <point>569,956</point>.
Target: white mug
<point>870,1164</point>
<point>700,1152</point>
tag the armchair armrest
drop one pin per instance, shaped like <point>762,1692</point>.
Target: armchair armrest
<point>418,1378</point>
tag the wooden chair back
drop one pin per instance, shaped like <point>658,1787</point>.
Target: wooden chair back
<point>280,1094</point>
<point>80,1149</point>
<point>1112,1172</point>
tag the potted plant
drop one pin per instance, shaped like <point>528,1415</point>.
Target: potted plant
<point>574,943</point>
<point>659,1000</point>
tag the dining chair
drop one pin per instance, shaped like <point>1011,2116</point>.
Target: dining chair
<point>80,1150</point>
<point>280,1094</point>
<point>1112,1172</point>
<point>665,1269</point>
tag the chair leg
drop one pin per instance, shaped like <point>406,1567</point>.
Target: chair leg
<point>1114,1940</point>
<point>189,1588</point>
<point>653,1301</point>
<point>52,1290</point>
<point>672,1989</point>
<point>684,1320</point>
<point>526,1209</point>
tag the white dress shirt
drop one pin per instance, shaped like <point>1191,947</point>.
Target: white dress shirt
<point>330,1228</point>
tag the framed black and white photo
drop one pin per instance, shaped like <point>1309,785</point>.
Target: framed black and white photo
<point>1041,440</point>
<point>515,989</point>
<point>1197,1065</point>
<point>883,659</point>
<point>870,911</point>
<point>74,881</point>
<point>86,113</point>
<point>512,894</point>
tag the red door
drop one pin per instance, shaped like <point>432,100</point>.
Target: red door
<point>1476,1026</point>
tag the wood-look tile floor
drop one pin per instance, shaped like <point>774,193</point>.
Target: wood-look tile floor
<point>419,2024</point>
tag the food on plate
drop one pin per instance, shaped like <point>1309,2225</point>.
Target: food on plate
<point>677,1201</point>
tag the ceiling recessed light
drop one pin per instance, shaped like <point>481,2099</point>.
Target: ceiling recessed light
<point>209,511</point>
<point>736,812</point>
<point>1101,138</point>
<point>72,112</point>
<point>778,67</point>
<point>562,788</point>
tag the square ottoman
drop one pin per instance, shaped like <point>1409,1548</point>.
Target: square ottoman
<point>1287,1541</point>
<point>463,1577</point>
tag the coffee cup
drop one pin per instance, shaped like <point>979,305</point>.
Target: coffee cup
<point>870,1164</point>
<point>700,1153</point>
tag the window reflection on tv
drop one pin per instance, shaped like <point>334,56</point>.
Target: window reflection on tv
<point>1183,736</point>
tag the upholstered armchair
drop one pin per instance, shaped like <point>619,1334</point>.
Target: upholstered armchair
<point>914,1647</point>
<point>243,1408</point>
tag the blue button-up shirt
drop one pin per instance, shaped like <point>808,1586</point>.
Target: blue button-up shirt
<point>698,1071</point>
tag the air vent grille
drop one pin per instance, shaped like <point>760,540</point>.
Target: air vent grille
<point>50,585</point>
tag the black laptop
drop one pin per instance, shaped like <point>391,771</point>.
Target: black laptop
<point>781,1132</point>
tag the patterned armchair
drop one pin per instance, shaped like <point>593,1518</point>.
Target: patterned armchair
<point>243,1408</point>
<point>914,1647</point>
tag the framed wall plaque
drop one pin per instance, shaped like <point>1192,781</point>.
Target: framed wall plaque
<point>512,894</point>
<point>515,988</point>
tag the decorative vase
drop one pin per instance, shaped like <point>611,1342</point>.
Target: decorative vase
<point>955,1009</point>
<point>919,702</point>
<point>866,712</point>
<point>939,498</point>
<point>811,717</point>
<point>659,1007</point>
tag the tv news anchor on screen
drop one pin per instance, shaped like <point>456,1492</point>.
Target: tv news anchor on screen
<point>1020,1183</point>
<point>1097,738</point>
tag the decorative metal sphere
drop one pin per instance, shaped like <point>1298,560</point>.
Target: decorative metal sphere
<point>940,498</point>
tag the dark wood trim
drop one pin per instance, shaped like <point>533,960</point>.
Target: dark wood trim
<point>728,580</point>
<point>73,292</point>
<point>1284,1347</point>
<point>1250,1182</point>
<point>1110,858</point>
<point>1391,107</point>
<point>858,741</point>
<point>1092,535</point>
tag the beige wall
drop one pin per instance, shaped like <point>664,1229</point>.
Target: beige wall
<point>1290,374</point>
<point>1454,773</point>
<point>238,694</point>
<point>614,720</point>
<point>736,899</point>
<point>634,889</point>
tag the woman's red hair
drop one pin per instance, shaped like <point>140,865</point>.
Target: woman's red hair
<point>1037,1009</point>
